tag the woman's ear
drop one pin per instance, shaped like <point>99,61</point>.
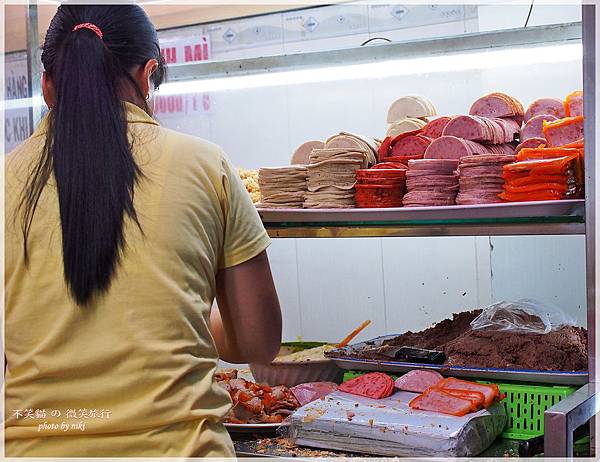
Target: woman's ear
<point>144,75</point>
<point>48,90</point>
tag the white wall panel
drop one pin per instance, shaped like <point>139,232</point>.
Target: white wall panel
<point>319,110</point>
<point>428,279</point>
<point>251,125</point>
<point>547,268</point>
<point>284,264</point>
<point>341,285</point>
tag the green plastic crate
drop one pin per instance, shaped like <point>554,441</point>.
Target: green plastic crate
<point>525,405</point>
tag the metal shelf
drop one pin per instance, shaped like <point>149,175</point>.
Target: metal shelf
<point>526,218</point>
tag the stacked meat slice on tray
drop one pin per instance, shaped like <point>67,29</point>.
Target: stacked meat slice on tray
<point>332,170</point>
<point>331,177</point>
<point>282,187</point>
<point>431,182</point>
<point>480,178</point>
<point>491,127</point>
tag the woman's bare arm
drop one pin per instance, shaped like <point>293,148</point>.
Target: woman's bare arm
<point>247,325</point>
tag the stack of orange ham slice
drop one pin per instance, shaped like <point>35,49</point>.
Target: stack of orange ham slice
<point>544,174</point>
<point>457,397</point>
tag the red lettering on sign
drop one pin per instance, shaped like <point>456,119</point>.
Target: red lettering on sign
<point>169,55</point>
<point>200,53</point>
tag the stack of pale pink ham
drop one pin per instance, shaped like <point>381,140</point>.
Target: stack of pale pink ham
<point>490,128</point>
<point>480,178</point>
<point>431,182</point>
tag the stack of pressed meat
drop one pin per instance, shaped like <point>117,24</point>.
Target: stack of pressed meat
<point>490,128</point>
<point>462,159</point>
<point>552,172</point>
<point>544,174</point>
<point>431,182</point>
<point>480,178</point>
<point>381,186</point>
<point>282,187</point>
<point>331,177</point>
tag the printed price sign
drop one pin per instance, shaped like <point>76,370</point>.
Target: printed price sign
<point>178,51</point>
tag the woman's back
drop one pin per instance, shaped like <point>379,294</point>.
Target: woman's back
<point>138,359</point>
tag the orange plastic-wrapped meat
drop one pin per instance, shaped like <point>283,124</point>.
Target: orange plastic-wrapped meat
<point>564,131</point>
<point>547,153</point>
<point>535,196</point>
<point>437,400</point>
<point>574,104</point>
<point>529,179</point>
<point>542,166</point>
<point>490,392</point>
<point>537,186</point>
<point>575,144</point>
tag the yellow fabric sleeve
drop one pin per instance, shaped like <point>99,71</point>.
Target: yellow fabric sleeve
<point>245,236</point>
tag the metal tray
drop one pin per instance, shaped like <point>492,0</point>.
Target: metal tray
<point>519,375</point>
<point>572,208</point>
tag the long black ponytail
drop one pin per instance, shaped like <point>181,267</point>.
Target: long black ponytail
<point>87,147</point>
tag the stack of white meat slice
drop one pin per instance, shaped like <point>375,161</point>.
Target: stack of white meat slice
<point>331,177</point>
<point>409,113</point>
<point>282,187</point>
<point>353,142</point>
<point>480,178</point>
<point>431,182</point>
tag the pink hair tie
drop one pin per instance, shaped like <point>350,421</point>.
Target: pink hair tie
<point>88,25</point>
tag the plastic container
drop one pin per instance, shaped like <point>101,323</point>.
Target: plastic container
<point>525,405</point>
<point>294,373</point>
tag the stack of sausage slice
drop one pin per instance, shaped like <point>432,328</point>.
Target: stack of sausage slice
<point>498,105</point>
<point>381,186</point>
<point>480,178</point>
<point>282,187</point>
<point>483,129</point>
<point>431,182</point>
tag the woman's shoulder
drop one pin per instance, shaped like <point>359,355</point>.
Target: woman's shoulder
<point>191,150</point>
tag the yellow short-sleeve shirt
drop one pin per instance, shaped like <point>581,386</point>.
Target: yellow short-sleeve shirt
<point>132,374</point>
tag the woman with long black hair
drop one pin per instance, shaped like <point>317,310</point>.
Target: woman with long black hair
<point>119,235</point>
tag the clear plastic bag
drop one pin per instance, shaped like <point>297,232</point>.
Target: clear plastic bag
<point>524,315</point>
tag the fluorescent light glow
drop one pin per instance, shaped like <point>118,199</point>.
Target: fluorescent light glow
<point>491,59</point>
<point>480,60</point>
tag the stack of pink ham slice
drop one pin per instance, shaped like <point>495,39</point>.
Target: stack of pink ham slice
<point>480,178</point>
<point>431,182</point>
<point>482,129</point>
